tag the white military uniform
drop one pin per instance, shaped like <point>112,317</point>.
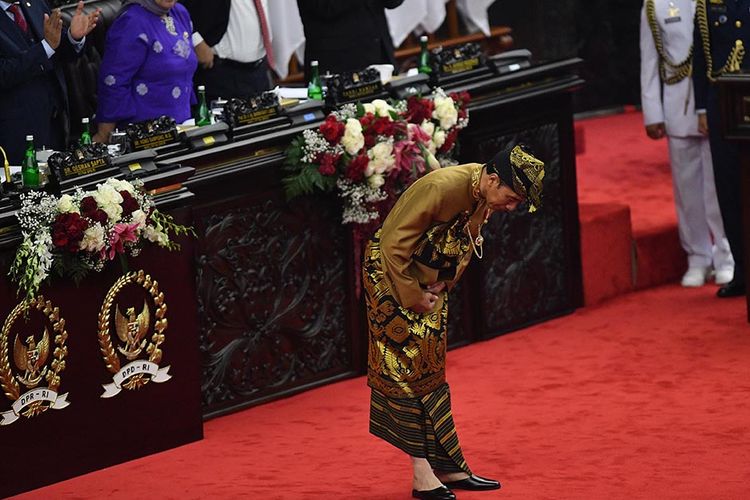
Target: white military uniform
<point>698,211</point>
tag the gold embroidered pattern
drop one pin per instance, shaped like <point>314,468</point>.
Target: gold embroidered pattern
<point>533,168</point>
<point>406,350</point>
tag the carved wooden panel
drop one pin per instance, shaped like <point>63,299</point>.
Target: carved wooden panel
<point>457,315</point>
<point>524,276</point>
<point>272,290</point>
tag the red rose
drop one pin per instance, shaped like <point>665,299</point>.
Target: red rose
<point>383,126</point>
<point>88,206</point>
<point>332,129</point>
<point>328,164</point>
<point>100,216</point>
<point>450,140</point>
<point>67,231</point>
<point>418,109</point>
<point>370,139</point>
<point>462,98</point>
<point>129,204</point>
<point>366,120</point>
<point>356,168</point>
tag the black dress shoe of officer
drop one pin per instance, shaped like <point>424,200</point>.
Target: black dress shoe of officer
<point>475,483</point>
<point>440,493</point>
<point>732,289</point>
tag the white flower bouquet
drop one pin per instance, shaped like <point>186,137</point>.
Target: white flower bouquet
<point>77,233</point>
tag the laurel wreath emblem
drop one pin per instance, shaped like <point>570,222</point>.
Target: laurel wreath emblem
<point>111,359</point>
<point>7,381</point>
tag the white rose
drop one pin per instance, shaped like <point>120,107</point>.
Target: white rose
<point>369,108</point>
<point>139,217</point>
<point>113,211</point>
<point>381,158</point>
<point>433,162</point>
<point>105,194</point>
<point>445,111</point>
<point>376,180</point>
<point>353,139</point>
<point>119,185</point>
<point>65,204</point>
<point>428,127</point>
<point>439,138</point>
<point>382,108</point>
<point>93,239</point>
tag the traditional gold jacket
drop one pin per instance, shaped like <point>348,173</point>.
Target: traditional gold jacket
<point>431,213</point>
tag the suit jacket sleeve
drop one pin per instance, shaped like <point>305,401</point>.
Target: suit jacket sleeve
<point>651,98</point>
<point>66,51</point>
<point>700,80</point>
<point>412,216</point>
<point>30,64</point>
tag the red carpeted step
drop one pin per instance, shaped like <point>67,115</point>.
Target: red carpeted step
<point>620,165</point>
<point>580,138</point>
<point>606,251</point>
<point>659,258</point>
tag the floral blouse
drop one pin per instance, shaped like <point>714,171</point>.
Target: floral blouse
<point>148,66</point>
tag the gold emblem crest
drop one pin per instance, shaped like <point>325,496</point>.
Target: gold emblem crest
<point>32,367</point>
<point>141,352</point>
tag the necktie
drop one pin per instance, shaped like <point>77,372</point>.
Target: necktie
<point>265,32</point>
<point>18,18</point>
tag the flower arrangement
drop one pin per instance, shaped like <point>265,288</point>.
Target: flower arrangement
<point>369,153</point>
<point>80,232</point>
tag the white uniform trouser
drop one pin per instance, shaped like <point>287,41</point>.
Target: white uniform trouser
<point>698,215</point>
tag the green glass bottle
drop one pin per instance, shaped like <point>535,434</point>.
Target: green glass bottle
<point>202,115</point>
<point>314,88</point>
<point>86,134</point>
<point>424,56</point>
<point>30,168</point>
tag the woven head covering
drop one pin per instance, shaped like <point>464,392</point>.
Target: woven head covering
<point>519,169</point>
<point>149,5</point>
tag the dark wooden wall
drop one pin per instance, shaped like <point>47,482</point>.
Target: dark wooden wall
<point>602,32</point>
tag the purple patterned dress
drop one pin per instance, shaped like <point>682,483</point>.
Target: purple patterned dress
<point>147,69</point>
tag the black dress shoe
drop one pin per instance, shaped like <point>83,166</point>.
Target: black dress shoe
<point>475,483</point>
<point>732,289</point>
<point>440,493</point>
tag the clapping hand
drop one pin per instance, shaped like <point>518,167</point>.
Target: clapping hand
<point>53,28</point>
<point>82,24</point>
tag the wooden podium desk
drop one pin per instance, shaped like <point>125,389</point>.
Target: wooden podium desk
<point>93,432</point>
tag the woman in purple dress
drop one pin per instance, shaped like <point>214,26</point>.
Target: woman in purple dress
<point>148,65</point>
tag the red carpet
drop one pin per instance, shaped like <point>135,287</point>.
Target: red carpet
<point>632,399</point>
<point>644,397</point>
<point>622,169</point>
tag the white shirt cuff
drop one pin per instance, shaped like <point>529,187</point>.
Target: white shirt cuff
<point>77,44</point>
<point>49,50</point>
<point>197,39</point>
<point>700,111</point>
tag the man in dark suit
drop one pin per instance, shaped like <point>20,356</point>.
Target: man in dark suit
<point>33,94</point>
<point>722,32</point>
<point>346,35</point>
<point>232,40</point>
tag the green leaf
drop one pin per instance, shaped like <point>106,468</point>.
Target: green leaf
<point>360,110</point>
